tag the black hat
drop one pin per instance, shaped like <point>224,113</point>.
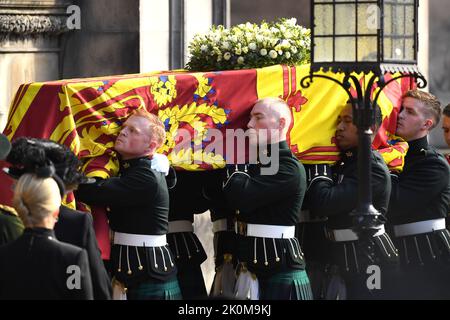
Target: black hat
<point>5,146</point>
<point>30,154</point>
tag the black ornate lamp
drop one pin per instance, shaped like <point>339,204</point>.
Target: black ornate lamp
<point>370,36</point>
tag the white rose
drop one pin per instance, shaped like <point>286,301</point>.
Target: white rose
<point>227,56</point>
<point>273,54</point>
<point>226,45</point>
<point>263,52</point>
<point>280,52</point>
<point>252,46</point>
<point>240,60</point>
<point>287,55</point>
<point>294,50</point>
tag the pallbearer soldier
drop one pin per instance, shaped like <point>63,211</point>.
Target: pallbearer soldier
<point>332,193</point>
<point>419,204</point>
<point>186,199</point>
<point>138,201</point>
<point>269,197</point>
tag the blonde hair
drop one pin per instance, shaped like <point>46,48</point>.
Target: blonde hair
<point>157,127</point>
<point>431,103</point>
<point>35,198</point>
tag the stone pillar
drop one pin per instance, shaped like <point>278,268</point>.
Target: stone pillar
<point>154,35</point>
<point>159,31</point>
<point>29,45</point>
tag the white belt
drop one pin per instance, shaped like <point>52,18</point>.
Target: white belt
<point>180,226</point>
<point>341,235</point>
<point>409,229</point>
<point>220,225</point>
<point>264,230</point>
<point>139,240</point>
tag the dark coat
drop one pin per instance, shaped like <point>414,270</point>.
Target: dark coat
<point>77,228</point>
<point>36,266</point>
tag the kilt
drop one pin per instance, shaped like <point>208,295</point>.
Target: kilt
<point>285,285</point>
<point>154,289</point>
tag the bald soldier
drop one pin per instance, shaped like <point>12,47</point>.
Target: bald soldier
<point>267,198</point>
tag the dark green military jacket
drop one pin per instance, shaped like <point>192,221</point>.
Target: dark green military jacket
<point>273,200</point>
<point>422,190</point>
<point>138,203</point>
<point>11,226</point>
<point>338,198</point>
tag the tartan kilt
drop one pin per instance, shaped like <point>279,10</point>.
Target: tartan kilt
<point>285,285</point>
<point>155,289</point>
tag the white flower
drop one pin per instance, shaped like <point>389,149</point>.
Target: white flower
<point>250,46</point>
<point>291,22</point>
<point>273,54</point>
<point>285,43</point>
<point>234,38</point>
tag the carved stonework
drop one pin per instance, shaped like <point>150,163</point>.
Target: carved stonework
<point>28,25</point>
<point>22,19</point>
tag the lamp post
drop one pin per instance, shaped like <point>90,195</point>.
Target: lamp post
<point>364,36</point>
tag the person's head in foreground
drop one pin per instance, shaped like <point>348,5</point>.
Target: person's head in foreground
<point>37,200</point>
